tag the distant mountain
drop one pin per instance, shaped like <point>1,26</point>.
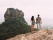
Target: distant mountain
<point>45,21</point>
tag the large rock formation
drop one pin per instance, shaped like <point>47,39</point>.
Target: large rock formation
<point>14,24</point>
<point>12,13</point>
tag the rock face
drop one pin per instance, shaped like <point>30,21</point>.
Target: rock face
<point>12,13</point>
<point>14,24</point>
<point>39,35</point>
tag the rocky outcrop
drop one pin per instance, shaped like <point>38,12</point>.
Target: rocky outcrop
<point>12,13</point>
<point>14,24</point>
<point>39,35</point>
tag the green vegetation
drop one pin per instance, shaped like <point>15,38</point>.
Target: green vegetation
<point>14,24</point>
<point>13,27</point>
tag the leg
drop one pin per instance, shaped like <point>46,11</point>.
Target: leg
<point>40,26</point>
<point>32,28</point>
<point>37,25</point>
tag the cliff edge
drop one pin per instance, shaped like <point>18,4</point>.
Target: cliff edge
<point>37,35</point>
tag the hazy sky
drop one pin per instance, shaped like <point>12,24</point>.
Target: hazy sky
<point>29,7</point>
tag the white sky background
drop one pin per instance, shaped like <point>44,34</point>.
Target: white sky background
<point>29,7</point>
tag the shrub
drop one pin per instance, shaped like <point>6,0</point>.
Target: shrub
<point>13,27</point>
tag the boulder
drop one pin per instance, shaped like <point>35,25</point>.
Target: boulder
<point>12,13</point>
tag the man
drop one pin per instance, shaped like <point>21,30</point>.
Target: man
<point>38,21</point>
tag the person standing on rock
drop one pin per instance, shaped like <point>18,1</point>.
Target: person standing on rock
<point>38,21</point>
<point>33,23</point>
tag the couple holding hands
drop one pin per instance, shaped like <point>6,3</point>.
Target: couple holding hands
<point>37,21</point>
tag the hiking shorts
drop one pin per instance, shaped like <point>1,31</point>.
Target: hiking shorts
<point>33,23</point>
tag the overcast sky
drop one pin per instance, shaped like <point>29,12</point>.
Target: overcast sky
<point>29,7</point>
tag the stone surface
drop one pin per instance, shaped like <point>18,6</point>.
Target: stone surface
<point>39,35</point>
<point>12,13</point>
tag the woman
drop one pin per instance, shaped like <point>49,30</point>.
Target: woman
<point>33,23</point>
